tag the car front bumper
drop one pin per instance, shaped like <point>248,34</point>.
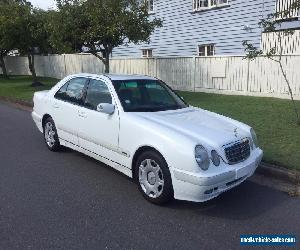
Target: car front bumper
<point>201,187</point>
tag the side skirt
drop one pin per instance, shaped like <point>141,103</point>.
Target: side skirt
<point>100,158</point>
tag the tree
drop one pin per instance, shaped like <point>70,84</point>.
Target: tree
<point>24,28</point>
<point>66,25</point>
<point>271,24</point>
<point>10,24</point>
<point>33,38</point>
<point>101,25</point>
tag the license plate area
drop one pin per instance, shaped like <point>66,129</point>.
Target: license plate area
<point>243,171</point>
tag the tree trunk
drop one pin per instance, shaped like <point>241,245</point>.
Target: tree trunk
<point>105,60</point>
<point>35,82</point>
<point>3,67</point>
<point>107,69</point>
<point>32,68</point>
<point>291,93</point>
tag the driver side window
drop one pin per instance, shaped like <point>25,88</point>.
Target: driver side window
<point>97,93</point>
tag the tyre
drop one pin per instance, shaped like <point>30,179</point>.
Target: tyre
<point>153,177</point>
<point>50,135</point>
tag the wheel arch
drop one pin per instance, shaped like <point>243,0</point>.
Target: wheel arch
<point>45,117</point>
<point>141,150</point>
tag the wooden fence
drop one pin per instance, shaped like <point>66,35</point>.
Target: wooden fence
<point>227,75</point>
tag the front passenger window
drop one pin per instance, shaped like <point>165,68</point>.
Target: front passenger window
<point>97,93</point>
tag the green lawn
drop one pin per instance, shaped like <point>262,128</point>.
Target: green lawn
<point>19,87</point>
<point>273,119</point>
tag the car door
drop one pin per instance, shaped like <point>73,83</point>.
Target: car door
<point>65,108</point>
<point>99,132</point>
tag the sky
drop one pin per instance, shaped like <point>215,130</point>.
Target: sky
<point>43,4</point>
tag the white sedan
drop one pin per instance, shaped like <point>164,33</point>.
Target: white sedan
<point>139,126</point>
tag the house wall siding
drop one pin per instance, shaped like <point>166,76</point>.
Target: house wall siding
<point>184,29</point>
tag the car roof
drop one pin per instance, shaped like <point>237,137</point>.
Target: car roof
<point>115,77</point>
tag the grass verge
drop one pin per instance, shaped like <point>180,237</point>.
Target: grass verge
<point>19,87</point>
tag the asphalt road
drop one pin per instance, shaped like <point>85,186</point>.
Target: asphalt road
<point>69,201</point>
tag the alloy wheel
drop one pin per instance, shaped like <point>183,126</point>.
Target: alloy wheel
<point>151,178</point>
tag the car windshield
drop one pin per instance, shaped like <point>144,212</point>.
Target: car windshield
<point>147,96</point>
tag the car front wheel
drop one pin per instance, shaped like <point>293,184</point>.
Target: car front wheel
<point>153,177</point>
<point>50,135</point>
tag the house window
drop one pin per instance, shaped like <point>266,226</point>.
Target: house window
<point>208,4</point>
<point>146,53</point>
<point>206,50</point>
<point>150,6</point>
<point>286,9</point>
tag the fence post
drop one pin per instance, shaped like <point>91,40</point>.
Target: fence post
<point>248,75</point>
<point>155,67</point>
<point>194,73</point>
<point>65,65</point>
<point>81,60</point>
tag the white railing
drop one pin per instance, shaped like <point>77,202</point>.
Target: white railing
<point>286,10</point>
<point>290,43</point>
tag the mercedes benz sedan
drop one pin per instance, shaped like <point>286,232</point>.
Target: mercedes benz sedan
<point>141,127</point>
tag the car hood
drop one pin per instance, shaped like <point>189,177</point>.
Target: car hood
<point>203,126</point>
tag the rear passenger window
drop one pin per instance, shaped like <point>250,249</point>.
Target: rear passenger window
<point>61,94</point>
<point>72,91</point>
<point>97,93</point>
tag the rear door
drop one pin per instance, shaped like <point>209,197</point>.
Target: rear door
<point>65,108</point>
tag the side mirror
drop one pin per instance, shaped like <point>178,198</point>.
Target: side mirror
<point>106,108</point>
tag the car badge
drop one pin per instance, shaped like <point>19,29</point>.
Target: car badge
<point>235,132</point>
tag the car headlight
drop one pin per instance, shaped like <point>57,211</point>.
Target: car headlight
<point>215,158</point>
<point>202,157</point>
<point>254,137</point>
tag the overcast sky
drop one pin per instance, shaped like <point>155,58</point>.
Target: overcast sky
<point>43,4</point>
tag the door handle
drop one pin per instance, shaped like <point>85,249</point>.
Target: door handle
<point>82,114</point>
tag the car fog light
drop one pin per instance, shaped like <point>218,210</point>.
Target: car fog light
<point>215,158</point>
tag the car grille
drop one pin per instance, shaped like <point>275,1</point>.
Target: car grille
<point>237,151</point>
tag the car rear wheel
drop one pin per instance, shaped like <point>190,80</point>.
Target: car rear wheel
<point>153,177</point>
<point>50,135</point>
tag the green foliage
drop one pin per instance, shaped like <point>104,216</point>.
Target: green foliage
<point>122,20</point>
<point>251,51</point>
<point>10,28</point>
<point>24,28</point>
<point>33,38</point>
<point>12,22</point>
<point>100,25</point>
<point>65,27</point>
